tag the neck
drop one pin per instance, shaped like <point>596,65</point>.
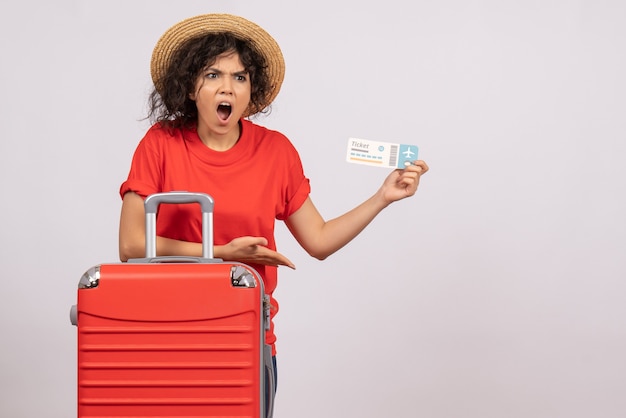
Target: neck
<point>220,141</point>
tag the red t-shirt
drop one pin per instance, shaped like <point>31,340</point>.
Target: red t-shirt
<point>258,180</point>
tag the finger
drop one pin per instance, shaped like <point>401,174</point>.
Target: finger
<point>282,260</point>
<point>252,245</point>
<point>288,263</point>
<point>273,258</point>
<point>422,164</point>
<point>257,241</point>
<point>409,175</point>
<point>413,168</point>
<point>408,186</point>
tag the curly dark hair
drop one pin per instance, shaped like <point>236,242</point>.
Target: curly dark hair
<point>169,102</point>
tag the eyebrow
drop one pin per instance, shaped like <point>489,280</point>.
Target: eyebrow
<point>215,70</point>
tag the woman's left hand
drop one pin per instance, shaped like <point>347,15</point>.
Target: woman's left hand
<point>403,183</point>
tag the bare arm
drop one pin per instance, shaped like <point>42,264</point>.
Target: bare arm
<point>322,238</point>
<point>132,242</point>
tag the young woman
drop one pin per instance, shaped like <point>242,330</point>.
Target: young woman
<point>210,72</point>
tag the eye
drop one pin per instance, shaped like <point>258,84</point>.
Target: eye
<point>241,77</point>
<point>211,75</point>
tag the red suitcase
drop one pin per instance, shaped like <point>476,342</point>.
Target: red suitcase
<point>173,336</point>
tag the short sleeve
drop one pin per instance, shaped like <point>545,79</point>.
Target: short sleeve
<point>298,186</point>
<point>144,177</point>
<point>301,193</point>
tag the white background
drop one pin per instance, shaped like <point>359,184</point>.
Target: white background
<point>497,291</point>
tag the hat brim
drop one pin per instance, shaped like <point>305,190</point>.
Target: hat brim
<point>207,24</point>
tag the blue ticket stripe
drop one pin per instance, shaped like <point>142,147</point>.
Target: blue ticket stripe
<point>406,155</point>
<point>365,156</point>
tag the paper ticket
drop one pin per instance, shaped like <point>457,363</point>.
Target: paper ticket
<point>380,154</point>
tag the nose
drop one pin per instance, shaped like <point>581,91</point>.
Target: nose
<point>227,85</point>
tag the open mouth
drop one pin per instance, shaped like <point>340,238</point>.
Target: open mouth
<point>224,110</point>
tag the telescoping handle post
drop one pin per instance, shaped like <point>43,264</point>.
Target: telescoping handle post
<point>152,203</point>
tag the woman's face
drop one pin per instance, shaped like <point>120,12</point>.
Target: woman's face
<point>222,95</point>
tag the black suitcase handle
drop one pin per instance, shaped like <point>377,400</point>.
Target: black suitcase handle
<point>151,205</point>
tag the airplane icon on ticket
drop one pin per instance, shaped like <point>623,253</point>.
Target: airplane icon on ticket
<point>408,153</point>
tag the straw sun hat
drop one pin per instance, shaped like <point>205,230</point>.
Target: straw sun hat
<point>207,24</point>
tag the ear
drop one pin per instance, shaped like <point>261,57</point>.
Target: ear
<point>192,96</point>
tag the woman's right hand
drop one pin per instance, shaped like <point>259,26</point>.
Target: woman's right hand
<point>251,250</point>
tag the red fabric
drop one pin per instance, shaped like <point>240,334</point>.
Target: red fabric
<point>257,181</point>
